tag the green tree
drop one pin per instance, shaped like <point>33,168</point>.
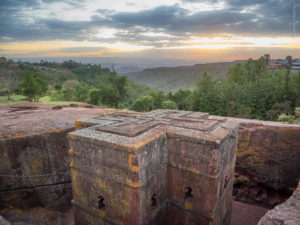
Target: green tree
<point>207,96</point>
<point>181,99</point>
<point>29,86</point>
<point>237,74</point>
<point>82,92</point>
<point>119,84</point>
<point>267,58</point>
<point>261,67</point>
<point>158,98</point>
<point>56,95</point>
<point>278,109</point>
<point>41,85</point>
<point>69,89</point>
<point>143,104</point>
<point>169,95</point>
<point>95,96</point>
<point>33,85</point>
<point>11,83</point>
<point>169,104</point>
<point>255,69</point>
<point>108,96</point>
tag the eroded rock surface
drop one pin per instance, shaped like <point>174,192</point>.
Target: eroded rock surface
<point>4,221</point>
<point>267,162</point>
<point>32,118</point>
<point>34,167</point>
<point>287,213</point>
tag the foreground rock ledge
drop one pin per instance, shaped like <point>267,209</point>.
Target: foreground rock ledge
<point>287,213</point>
<point>162,167</point>
<point>3,221</point>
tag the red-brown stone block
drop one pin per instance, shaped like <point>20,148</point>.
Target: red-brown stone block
<point>161,167</point>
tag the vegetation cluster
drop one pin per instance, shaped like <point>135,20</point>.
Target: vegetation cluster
<point>68,81</point>
<point>250,90</point>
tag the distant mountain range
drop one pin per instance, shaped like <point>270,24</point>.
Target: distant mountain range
<point>183,77</point>
<point>163,75</point>
<point>121,64</point>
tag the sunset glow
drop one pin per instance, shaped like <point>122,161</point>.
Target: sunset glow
<point>168,29</point>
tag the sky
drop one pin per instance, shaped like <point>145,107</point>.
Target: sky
<point>182,30</point>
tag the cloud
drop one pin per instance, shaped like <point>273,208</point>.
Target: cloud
<point>23,21</point>
<point>238,17</point>
<point>81,49</point>
<point>75,3</point>
<point>266,19</point>
<point>160,17</point>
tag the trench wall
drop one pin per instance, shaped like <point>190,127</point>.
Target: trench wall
<point>267,162</point>
<point>34,170</point>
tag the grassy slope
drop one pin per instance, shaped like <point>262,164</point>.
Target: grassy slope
<point>13,99</point>
<point>96,81</point>
<point>21,98</point>
<point>185,77</point>
<point>59,75</point>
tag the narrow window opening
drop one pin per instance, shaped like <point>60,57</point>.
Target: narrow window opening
<point>259,194</point>
<point>101,204</point>
<point>154,200</point>
<point>188,193</point>
<point>226,182</point>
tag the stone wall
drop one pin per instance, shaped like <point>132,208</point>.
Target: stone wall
<point>270,152</point>
<point>34,171</point>
<point>268,162</point>
<point>161,167</point>
<point>34,164</point>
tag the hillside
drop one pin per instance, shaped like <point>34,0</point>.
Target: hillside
<point>184,77</point>
<point>66,76</point>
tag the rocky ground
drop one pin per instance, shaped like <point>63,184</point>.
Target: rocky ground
<point>287,213</point>
<point>29,118</point>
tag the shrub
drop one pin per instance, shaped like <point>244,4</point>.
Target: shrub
<point>143,104</point>
<point>56,95</point>
<point>123,105</point>
<point>297,112</point>
<point>168,104</point>
<point>69,90</point>
<point>279,109</point>
<point>82,92</point>
<point>183,106</point>
<point>33,85</point>
<point>95,96</point>
<point>286,118</point>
